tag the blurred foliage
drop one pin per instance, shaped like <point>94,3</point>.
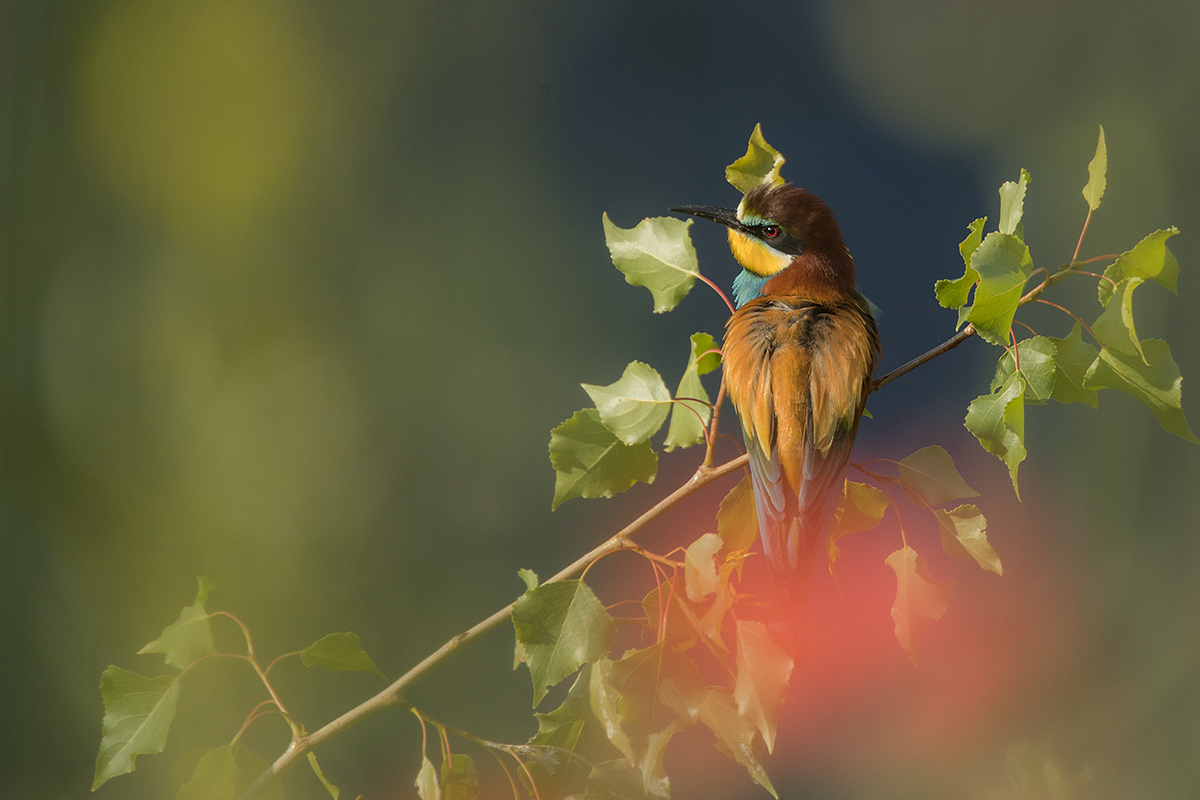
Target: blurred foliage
<point>274,274</point>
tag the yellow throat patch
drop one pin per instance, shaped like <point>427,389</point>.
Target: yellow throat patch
<point>756,256</point>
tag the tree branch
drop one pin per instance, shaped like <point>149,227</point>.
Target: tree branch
<point>393,694</point>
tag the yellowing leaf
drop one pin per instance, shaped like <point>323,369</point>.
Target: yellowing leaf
<point>861,509</point>
<point>739,736</point>
<point>761,164</point>
<point>1094,190</point>
<point>688,417</point>
<point>964,535</point>
<point>339,652</point>
<point>137,715</point>
<point>931,472</point>
<point>657,254</point>
<point>763,672</point>
<point>559,626</point>
<point>737,519</point>
<point>920,598</point>
<point>700,567</point>
<point>190,636</point>
<point>225,771</point>
<point>590,461</point>
<point>634,407</point>
<point>428,786</point>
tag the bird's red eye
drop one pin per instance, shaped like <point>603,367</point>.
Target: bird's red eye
<point>770,231</point>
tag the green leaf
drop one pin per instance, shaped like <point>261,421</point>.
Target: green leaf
<point>861,509</point>
<point>590,461</point>
<point>1072,359</point>
<point>334,791</point>
<point>1004,266</point>
<point>763,672</point>
<point>1155,381</point>
<point>1094,190</point>
<point>559,627</point>
<point>339,652</point>
<point>1012,204</point>
<point>964,535</point>
<point>954,294</point>
<point>617,780</point>
<point>737,736</point>
<point>1037,356</point>
<point>137,715</point>
<point>190,636</point>
<point>998,421</point>
<point>634,407</point>
<point>223,772</point>
<point>459,780</point>
<point>529,577</point>
<point>931,472</point>
<point>737,519</point>
<point>688,418</point>
<point>700,567</point>
<point>1114,327</point>
<point>657,254</point>
<point>761,164</point>
<point>1150,259</point>
<point>920,598</point>
<point>428,786</point>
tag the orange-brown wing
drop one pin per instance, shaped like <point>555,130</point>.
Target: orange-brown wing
<point>797,373</point>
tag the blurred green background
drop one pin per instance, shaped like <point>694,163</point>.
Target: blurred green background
<point>291,294</point>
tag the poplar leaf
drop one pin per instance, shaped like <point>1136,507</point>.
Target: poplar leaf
<point>137,715</point>
<point>657,254</point>
<point>761,164</point>
<point>689,419</point>
<point>1094,190</point>
<point>459,779</point>
<point>1154,380</point>
<point>737,735</point>
<point>529,577</point>
<point>560,626</point>
<point>763,672</point>
<point>190,636</point>
<point>1037,355</point>
<point>1012,204</point>
<point>931,473</point>
<point>590,461</point>
<point>428,786</point>
<point>964,535</point>
<point>1004,266</point>
<point>550,758</point>
<point>737,519</point>
<point>861,509</point>
<point>339,652</point>
<point>920,598</point>
<point>998,421</point>
<point>223,772</point>
<point>1114,327</point>
<point>634,407</point>
<point>700,567</point>
<point>954,294</point>
<point>1150,259</point>
<point>1073,357</point>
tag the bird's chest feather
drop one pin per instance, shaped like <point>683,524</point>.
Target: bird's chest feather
<point>797,370</point>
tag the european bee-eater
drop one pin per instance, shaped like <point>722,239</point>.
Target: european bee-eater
<point>799,357</point>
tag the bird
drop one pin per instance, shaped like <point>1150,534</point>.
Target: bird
<point>799,357</point>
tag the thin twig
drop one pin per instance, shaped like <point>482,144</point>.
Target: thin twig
<point>944,347</point>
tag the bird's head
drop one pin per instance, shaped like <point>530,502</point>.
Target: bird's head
<point>778,227</point>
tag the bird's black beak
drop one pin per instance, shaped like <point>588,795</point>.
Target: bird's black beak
<point>725,216</point>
